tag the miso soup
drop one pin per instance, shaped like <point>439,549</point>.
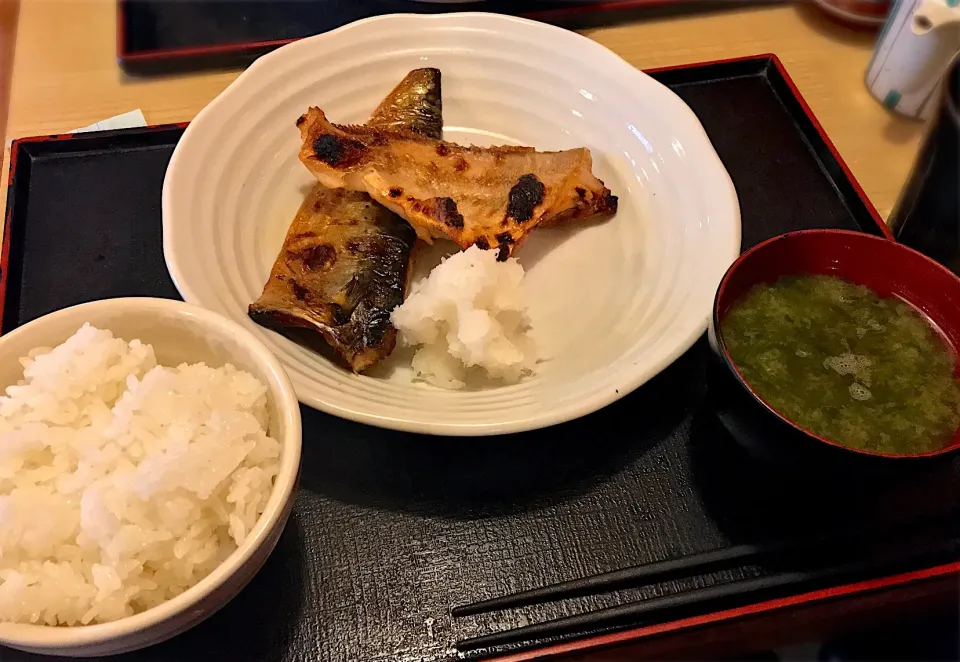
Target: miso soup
<point>867,372</point>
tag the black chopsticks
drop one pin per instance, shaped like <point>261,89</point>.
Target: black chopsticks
<point>851,545</point>
<point>647,573</point>
<point>660,571</point>
<point>633,612</point>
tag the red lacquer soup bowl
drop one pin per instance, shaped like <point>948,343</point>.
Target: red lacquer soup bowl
<point>886,267</point>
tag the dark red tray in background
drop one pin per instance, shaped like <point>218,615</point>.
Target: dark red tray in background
<point>390,530</point>
<point>163,36</point>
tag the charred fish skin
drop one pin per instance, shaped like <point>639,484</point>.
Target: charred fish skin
<point>341,271</point>
<point>345,260</point>
<point>414,105</point>
<point>490,197</point>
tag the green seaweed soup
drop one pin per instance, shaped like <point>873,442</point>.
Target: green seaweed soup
<point>863,371</point>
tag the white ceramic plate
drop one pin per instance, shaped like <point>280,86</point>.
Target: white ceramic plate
<point>612,303</point>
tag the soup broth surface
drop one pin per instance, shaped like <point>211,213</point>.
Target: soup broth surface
<point>867,372</point>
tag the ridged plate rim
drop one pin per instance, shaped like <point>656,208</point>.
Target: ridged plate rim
<point>626,379</point>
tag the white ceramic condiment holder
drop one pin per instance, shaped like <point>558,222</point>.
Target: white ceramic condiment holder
<point>917,44</point>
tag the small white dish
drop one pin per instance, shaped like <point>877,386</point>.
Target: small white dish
<point>612,303</point>
<point>179,332</point>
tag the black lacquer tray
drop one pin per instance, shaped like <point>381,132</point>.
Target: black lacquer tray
<point>390,530</point>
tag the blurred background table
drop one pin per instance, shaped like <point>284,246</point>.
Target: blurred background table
<point>64,74</point>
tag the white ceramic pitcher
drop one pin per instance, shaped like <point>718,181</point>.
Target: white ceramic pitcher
<point>917,44</point>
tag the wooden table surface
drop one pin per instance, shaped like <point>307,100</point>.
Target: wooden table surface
<point>65,75</point>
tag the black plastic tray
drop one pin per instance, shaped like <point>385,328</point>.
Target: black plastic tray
<point>390,530</point>
<point>160,36</point>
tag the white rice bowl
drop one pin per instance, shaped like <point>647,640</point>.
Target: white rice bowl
<point>123,483</point>
<point>136,498</point>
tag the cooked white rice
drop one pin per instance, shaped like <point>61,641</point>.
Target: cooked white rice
<point>468,315</point>
<point>123,483</point>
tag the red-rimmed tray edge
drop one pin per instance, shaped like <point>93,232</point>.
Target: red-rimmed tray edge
<point>795,92</point>
<point>258,47</point>
<point>15,146</point>
<point>631,635</point>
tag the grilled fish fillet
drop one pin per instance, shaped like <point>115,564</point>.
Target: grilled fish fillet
<point>341,272</point>
<point>487,197</point>
<point>344,262</point>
